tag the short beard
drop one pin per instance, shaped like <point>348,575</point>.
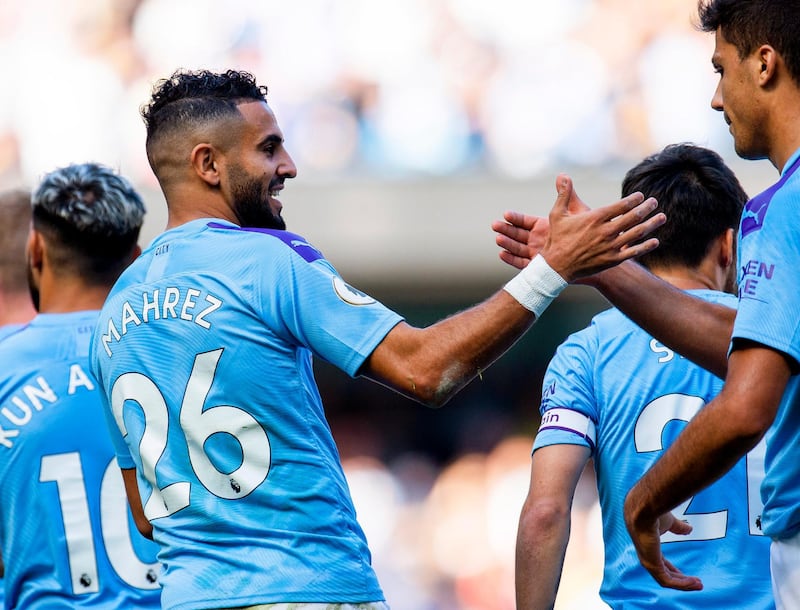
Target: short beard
<point>251,203</point>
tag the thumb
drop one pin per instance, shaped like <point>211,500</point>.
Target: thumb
<point>680,527</point>
<point>564,190</point>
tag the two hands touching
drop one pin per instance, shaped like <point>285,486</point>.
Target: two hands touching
<point>575,240</point>
<point>570,239</point>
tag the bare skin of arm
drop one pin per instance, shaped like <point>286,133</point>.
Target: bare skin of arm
<point>544,524</point>
<point>718,436</point>
<point>431,364</point>
<point>696,329</point>
<point>135,502</point>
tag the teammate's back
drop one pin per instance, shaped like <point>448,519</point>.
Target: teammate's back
<point>68,539</point>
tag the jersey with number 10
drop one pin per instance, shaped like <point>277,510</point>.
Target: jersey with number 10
<point>67,537</point>
<point>205,350</point>
<point>615,389</point>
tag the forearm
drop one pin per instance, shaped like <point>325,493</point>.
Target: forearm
<point>135,503</point>
<point>699,330</point>
<point>718,436</point>
<point>544,523</point>
<point>707,448</point>
<point>432,364</point>
<point>539,561</point>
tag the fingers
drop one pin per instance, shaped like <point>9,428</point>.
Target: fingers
<point>519,262</point>
<point>635,202</point>
<point>574,203</point>
<point>680,527</point>
<point>630,243</point>
<point>516,219</point>
<point>564,195</point>
<point>511,232</point>
<point>670,576</point>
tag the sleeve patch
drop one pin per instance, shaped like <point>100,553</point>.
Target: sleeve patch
<point>570,421</point>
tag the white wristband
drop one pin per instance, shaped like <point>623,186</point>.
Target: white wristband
<point>536,285</point>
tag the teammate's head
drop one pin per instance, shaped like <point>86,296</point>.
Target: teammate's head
<point>757,57</point>
<point>700,195</point>
<point>212,139</point>
<point>15,223</point>
<point>747,24</point>
<point>88,217</point>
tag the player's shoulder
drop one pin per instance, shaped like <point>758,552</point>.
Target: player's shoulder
<point>274,237</point>
<point>716,296</point>
<point>610,321</point>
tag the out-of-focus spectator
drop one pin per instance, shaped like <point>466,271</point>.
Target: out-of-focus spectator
<point>16,306</point>
<point>418,88</point>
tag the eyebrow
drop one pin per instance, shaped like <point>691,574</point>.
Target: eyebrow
<point>271,139</point>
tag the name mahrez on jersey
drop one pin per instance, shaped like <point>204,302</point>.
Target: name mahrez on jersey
<point>33,397</point>
<point>170,304</point>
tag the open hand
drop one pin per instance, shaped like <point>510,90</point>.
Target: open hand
<point>646,536</point>
<point>575,240</point>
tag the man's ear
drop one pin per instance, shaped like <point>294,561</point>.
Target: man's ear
<point>205,161</point>
<point>36,248</point>
<point>727,251</point>
<point>768,58</point>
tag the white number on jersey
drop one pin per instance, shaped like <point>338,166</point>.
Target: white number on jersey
<point>198,423</point>
<point>66,471</point>
<point>647,437</point>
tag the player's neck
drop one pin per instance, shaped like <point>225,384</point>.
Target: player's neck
<point>783,127</point>
<point>687,279</point>
<point>70,294</point>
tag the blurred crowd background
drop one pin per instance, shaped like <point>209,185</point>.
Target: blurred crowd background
<point>432,87</point>
<point>413,125</point>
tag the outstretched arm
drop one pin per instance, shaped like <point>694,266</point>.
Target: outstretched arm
<point>695,328</point>
<point>544,524</point>
<point>431,364</point>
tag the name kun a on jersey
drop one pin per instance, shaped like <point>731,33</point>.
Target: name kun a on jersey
<point>34,397</point>
<point>172,303</point>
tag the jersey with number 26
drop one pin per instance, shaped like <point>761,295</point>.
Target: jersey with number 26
<point>205,350</point>
<point>615,389</point>
<point>68,540</point>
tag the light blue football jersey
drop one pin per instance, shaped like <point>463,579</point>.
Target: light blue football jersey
<point>9,329</point>
<point>616,390</point>
<point>5,331</point>
<point>204,349</point>
<point>67,537</point>
<point>769,301</point>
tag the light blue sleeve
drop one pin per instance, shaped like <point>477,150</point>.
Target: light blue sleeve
<point>322,312</point>
<point>769,274</point>
<point>569,409</point>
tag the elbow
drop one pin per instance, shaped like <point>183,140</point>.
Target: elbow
<point>434,389</point>
<point>438,379</point>
<point>545,514</point>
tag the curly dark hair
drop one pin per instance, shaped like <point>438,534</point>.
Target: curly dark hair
<point>91,216</point>
<point>196,97</point>
<point>746,24</point>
